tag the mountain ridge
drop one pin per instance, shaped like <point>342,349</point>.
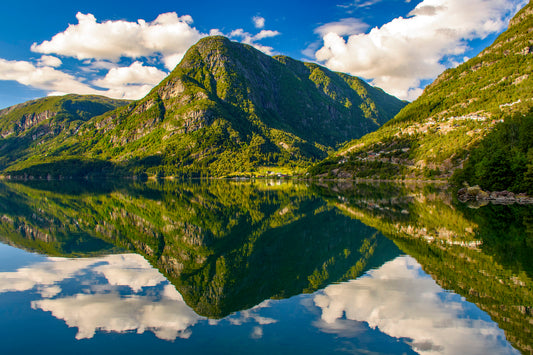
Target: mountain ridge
<point>24,126</point>
<point>228,108</point>
<point>433,137</point>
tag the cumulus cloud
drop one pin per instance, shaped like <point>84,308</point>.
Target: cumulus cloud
<point>400,54</point>
<point>107,46</point>
<point>248,38</point>
<point>168,35</point>
<point>49,61</point>
<point>259,22</point>
<point>402,301</point>
<point>168,317</point>
<point>131,82</point>
<point>127,269</point>
<point>43,77</point>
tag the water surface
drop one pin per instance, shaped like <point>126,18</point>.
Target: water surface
<point>264,267</point>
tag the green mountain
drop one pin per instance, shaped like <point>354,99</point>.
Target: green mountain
<point>25,127</point>
<point>226,108</point>
<point>434,135</point>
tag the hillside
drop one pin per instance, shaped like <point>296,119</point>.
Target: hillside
<point>24,127</point>
<point>432,137</point>
<point>226,108</point>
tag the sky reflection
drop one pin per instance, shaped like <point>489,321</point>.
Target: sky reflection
<point>388,310</point>
<point>402,301</point>
<point>116,303</point>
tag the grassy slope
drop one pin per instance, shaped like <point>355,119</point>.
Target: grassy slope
<point>432,136</point>
<point>26,128</point>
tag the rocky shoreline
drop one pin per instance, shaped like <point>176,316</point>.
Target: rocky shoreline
<point>475,193</point>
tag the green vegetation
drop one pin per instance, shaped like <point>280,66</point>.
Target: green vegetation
<point>504,159</point>
<point>431,137</point>
<point>226,109</point>
<point>26,129</point>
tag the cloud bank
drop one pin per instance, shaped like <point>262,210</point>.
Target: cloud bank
<point>104,306</point>
<point>400,54</point>
<point>43,76</point>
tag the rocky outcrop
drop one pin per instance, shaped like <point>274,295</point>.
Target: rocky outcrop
<point>475,193</point>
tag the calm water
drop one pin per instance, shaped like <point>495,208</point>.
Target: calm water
<point>265,267</point>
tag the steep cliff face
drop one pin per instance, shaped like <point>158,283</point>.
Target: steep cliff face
<point>228,108</point>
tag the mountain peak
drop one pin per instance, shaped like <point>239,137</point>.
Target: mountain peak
<point>227,108</point>
<point>213,42</point>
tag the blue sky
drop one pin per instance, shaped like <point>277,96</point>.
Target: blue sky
<point>122,49</point>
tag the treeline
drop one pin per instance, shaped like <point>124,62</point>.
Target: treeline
<point>504,158</point>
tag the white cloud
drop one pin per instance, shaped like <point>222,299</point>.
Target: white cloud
<point>250,39</point>
<point>344,27</point>
<point>122,269</point>
<point>257,333</point>
<point>131,82</point>
<point>49,61</point>
<point>103,45</point>
<point>44,77</point>
<point>106,307</point>
<point>168,317</point>
<point>250,315</point>
<point>259,22</point>
<point>403,302</point>
<point>131,270</point>
<point>168,35</point>
<point>400,54</point>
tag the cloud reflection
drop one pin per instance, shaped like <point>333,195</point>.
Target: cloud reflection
<point>403,302</point>
<point>168,318</point>
<point>117,304</point>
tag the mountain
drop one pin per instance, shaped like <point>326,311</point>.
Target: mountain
<point>434,135</point>
<point>227,108</point>
<point>24,127</point>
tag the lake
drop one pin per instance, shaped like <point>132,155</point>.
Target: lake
<point>260,267</point>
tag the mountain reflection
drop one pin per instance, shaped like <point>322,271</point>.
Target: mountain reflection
<point>224,246</point>
<point>220,251</point>
<point>483,254</point>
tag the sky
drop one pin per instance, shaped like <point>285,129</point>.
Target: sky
<point>123,49</point>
